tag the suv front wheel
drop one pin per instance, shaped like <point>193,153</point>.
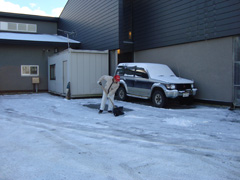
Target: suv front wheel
<point>121,93</point>
<point>158,99</point>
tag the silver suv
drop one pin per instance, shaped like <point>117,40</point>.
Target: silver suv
<point>152,81</point>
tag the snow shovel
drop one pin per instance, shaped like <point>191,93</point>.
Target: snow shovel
<point>117,111</point>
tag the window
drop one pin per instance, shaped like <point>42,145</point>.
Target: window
<point>129,71</point>
<point>22,27</point>
<point>18,27</point>
<point>120,71</point>
<point>130,35</point>
<point>52,72</point>
<point>29,70</point>
<point>12,26</point>
<point>140,72</point>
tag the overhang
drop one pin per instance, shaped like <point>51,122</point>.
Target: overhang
<point>7,37</point>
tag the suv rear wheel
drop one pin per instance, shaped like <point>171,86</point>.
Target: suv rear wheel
<point>158,99</point>
<point>121,93</point>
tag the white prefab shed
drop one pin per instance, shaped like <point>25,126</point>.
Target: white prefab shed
<point>80,68</point>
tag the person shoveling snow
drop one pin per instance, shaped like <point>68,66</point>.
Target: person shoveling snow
<point>111,86</point>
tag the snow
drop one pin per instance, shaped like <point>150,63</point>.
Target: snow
<point>155,69</point>
<point>35,37</point>
<point>47,137</point>
<point>159,72</point>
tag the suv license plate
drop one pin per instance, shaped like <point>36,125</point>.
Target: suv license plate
<point>185,94</point>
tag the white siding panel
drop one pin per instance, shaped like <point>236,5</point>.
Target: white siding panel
<point>85,68</point>
<point>80,74</point>
<point>74,73</point>
<point>56,86</point>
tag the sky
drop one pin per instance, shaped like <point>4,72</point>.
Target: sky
<point>35,7</point>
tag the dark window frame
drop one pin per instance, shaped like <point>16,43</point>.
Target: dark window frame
<point>29,70</point>
<point>53,72</point>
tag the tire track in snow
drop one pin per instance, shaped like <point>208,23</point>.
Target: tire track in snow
<point>91,132</point>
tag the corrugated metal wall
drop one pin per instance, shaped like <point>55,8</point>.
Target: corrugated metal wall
<point>96,23</point>
<point>126,25</point>
<point>86,69</point>
<point>83,69</point>
<point>159,23</point>
<point>156,23</point>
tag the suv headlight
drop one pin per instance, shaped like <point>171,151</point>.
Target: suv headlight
<point>170,86</point>
<point>192,86</point>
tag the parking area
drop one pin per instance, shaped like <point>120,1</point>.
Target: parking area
<point>48,137</point>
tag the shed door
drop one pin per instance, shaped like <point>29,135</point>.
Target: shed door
<point>237,71</point>
<point>64,76</point>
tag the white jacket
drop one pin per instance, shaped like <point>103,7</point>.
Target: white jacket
<point>110,86</point>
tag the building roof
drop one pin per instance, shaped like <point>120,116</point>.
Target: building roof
<point>47,38</point>
<point>28,16</point>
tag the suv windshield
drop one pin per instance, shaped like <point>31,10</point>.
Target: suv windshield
<point>156,71</point>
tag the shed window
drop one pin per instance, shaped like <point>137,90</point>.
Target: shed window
<point>29,70</point>
<point>52,72</point>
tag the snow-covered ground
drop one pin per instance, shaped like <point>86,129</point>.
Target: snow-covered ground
<point>46,137</point>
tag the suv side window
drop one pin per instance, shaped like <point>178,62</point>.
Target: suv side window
<point>120,71</point>
<point>141,72</point>
<point>129,71</point>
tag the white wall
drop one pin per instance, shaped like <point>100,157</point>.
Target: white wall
<point>84,69</point>
<point>208,63</point>
<point>56,86</point>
